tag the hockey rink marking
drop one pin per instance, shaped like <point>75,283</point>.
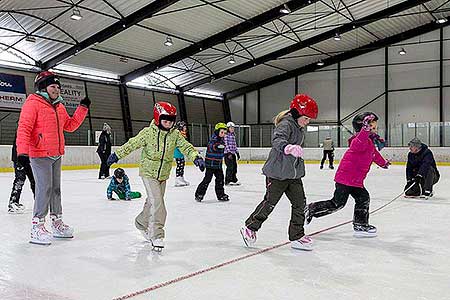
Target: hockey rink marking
<point>190,275</point>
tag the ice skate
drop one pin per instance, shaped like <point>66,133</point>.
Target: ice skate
<point>248,235</point>
<point>186,183</point>
<point>40,234</point>
<point>158,245</point>
<point>426,195</point>
<point>199,198</point>
<point>223,198</point>
<point>304,243</point>
<point>16,208</point>
<point>60,229</point>
<point>236,183</point>
<point>179,181</point>
<point>364,230</point>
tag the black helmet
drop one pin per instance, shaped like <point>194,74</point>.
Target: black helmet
<point>119,173</point>
<point>359,118</point>
<point>180,124</point>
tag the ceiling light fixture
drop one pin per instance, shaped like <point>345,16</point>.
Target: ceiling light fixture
<point>285,10</point>
<point>30,39</point>
<point>441,20</point>
<point>337,37</point>
<point>231,61</point>
<point>168,41</point>
<point>76,14</point>
<point>123,59</point>
<point>320,63</point>
<point>402,52</point>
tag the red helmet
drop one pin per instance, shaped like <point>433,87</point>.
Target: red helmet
<point>164,109</point>
<point>45,79</point>
<point>305,106</point>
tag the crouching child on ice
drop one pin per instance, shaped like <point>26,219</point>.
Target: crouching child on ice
<point>121,186</point>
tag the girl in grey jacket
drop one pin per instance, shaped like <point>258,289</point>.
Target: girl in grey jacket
<point>284,169</point>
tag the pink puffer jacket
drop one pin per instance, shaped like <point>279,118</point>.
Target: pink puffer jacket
<point>356,162</point>
<point>42,125</point>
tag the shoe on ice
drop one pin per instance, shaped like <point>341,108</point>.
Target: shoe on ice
<point>426,195</point>
<point>248,235</point>
<point>158,245</point>
<point>364,230</point>
<point>304,243</point>
<point>16,208</point>
<point>60,229</point>
<point>223,198</point>
<point>179,181</point>
<point>40,234</point>
<point>186,183</point>
<point>199,198</point>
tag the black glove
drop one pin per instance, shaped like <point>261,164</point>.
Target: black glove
<point>22,162</point>
<point>85,102</point>
<point>200,163</point>
<point>112,159</point>
<point>238,156</point>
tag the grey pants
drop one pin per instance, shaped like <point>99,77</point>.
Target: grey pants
<point>47,174</point>
<point>153,215</point>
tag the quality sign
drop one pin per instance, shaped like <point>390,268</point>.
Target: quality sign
<point>12,90</point>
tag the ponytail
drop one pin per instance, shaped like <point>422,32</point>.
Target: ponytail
<point>279,117</point>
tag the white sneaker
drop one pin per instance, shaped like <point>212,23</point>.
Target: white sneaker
<point>179,181</point>
<point>304,243</point>
<point>40,234</point>
<point>16,208</point>
<point>158,245</point>
<point>186,183</point>
<point>61,230</point>
<point>248,235</point>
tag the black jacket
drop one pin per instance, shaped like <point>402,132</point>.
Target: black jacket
<point>104,143</point>
<point>420,163</point>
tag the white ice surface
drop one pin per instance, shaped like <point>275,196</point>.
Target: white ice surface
<point>410,258</point>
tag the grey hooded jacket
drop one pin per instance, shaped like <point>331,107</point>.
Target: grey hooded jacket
<point>279,165</point>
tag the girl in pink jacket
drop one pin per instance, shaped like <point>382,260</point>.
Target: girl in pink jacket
<point>40,137</point>
<point>352,171</point>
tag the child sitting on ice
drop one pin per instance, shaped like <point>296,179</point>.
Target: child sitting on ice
<point>121,186</point>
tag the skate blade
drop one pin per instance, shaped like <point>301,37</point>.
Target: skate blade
<point>60,236</point>
<point>20,212</point>
<point>303,248</point>
<point>157,249</point>
<point>364,235</point>
<point>42,243</point>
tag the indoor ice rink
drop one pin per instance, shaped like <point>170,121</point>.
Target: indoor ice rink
<point>174,72</point>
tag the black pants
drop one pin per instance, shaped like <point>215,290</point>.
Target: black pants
<point>203,186</point>
<point>330,154</point>
<point>21,174</point>
<point>341,194</point>
<point>427,185</point>
<point>231,163</point>
<point>180,167</point>
<point>293,188</point>
<point>104,168</point>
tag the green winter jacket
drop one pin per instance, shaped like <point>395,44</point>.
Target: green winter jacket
<point>157,153</point>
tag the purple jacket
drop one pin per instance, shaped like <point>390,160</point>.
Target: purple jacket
<point>356,162</point>
<point>230,143</point>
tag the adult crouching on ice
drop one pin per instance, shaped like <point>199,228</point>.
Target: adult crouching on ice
<point>421,170</point>
<point>158,141</point>
<point>40,137</point>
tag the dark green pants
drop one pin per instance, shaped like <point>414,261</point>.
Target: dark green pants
<point>293,188</point>
<point>133,195</point>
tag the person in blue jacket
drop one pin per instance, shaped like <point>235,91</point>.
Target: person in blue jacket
<point>120,185</point>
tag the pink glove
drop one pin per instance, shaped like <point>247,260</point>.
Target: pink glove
<point>366,122</point>
<point>294,150</point>
<point>387,164</point>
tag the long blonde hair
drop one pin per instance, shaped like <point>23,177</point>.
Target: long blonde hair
<point>280,116</point>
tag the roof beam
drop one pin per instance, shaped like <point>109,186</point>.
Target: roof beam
<point>110,31</point>
<point>338,58</point>
<point>309,42</point>
<point>218,38</point>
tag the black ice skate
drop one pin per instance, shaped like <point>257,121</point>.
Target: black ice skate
<point>158,245</point>
<point>223,198</point>
<point>199,198</point>
<point>364,230</point>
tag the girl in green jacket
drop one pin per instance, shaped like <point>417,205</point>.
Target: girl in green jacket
<point>158,143</point>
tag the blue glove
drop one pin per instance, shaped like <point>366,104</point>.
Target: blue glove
<point>200,163</point>
<point>112,159</point>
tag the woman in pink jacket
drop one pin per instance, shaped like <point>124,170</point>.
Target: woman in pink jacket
<point>352,171</point>
<point>40,137</point>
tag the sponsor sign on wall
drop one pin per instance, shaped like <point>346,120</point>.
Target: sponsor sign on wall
<point>12,90</point>
<point>72,93</point>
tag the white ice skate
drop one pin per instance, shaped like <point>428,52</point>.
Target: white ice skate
<point>248,235</point>
<point>304,243</point>
<point>179,181</point>
<point>40,234</point>
<point>61,230</point>
<point>158,245</point>
<point>364,231</point>
<point>16,208</point>
<point>186,183</point>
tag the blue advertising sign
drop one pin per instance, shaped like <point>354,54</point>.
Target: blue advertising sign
<point>12,90</point>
